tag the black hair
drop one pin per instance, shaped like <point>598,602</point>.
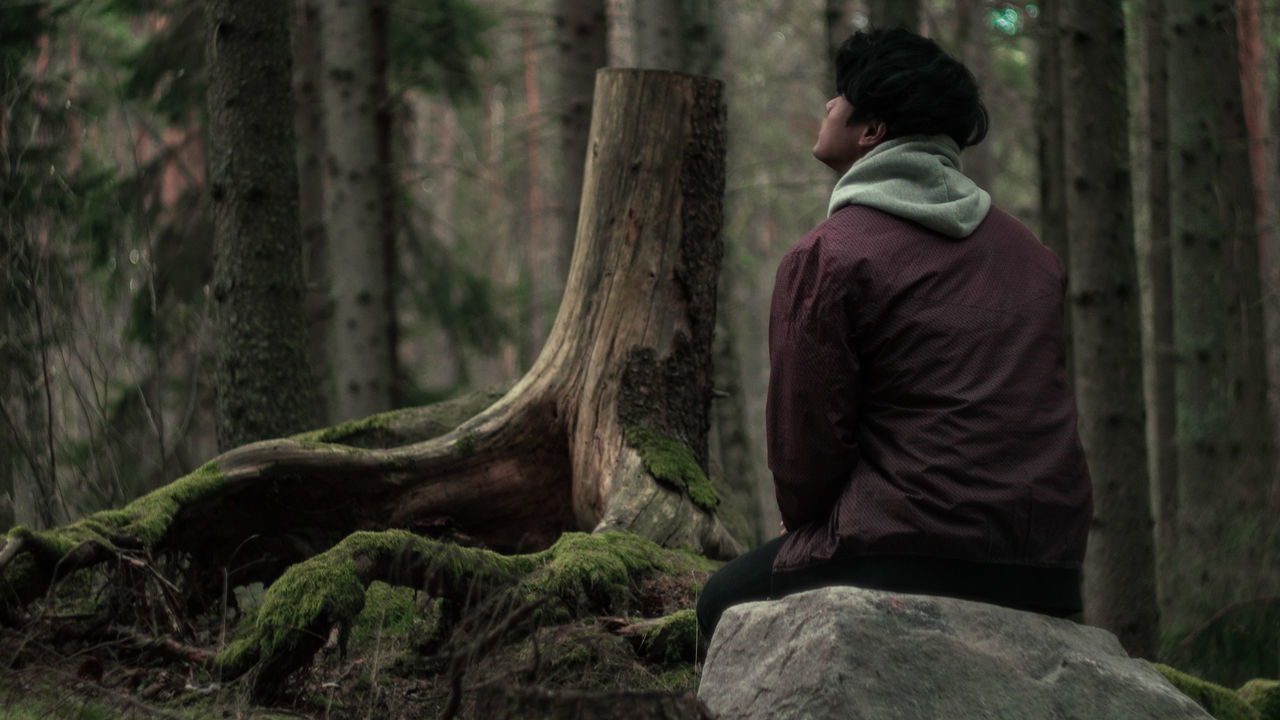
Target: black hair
<point>911,85</point>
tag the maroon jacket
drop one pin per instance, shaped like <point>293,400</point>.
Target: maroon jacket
<point>918,400</point>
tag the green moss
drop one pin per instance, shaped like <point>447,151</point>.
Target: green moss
<point>676,640</point>
<point>1263,696</point>
<point>327,589</point>
<point>1215,699</point>
<point>674,678</point>
<point>582,565</point>
<point>371,426</point>
<point>388,612</point>
<point>236,659</point>
<point>466,444</point>
<point>672,461</point>
<point>146,519</point>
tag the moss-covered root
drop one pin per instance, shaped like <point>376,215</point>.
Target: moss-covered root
<point>676,639</point>
<point>1263,696</point>
<point>32,561</point>
<point>1218,701</point>
<point>301,608</point>
<point>328,590</point>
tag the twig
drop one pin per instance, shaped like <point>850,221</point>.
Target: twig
<point>51,491</point>
<point>165,646</point>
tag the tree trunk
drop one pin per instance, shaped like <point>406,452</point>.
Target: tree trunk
<point>264,386</point>
<point>1051,145</point>
<point>887,14</point>
<point>731,439</point>
<point>361,353</point>
<point>581,42</point>
<point>837,19</point>
<point>309,128</point>
<point>679,35</point>
<point>973,46</point>
<point>1119,572</point>
<point>1225,497</point>
<point>531,332</point>
<point>608,430</point>
<point>1158,380</point>
<point>1253,80</point>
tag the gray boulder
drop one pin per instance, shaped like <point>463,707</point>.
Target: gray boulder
<point>857,654</point>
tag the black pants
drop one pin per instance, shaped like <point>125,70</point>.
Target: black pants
<point>1051,591</point>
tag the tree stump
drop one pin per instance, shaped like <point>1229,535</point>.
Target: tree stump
<point>607,431</point>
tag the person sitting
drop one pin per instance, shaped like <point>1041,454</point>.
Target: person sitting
<point>921,430</point>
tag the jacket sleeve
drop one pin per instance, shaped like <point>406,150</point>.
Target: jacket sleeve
<point>811,414</point>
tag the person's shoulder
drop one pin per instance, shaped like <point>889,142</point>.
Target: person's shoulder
<point>837,240</point>
<point>1014,236</point>
<point>998,219</point>
<point>855,230</point>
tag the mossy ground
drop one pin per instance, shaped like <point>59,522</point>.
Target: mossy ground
<point>1221,703</point>
<point>389,670</point>
<point>1263,696</point>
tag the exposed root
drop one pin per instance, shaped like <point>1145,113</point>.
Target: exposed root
<point>580,573</point>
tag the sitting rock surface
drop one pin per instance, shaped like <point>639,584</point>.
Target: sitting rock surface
<point>844,652</point>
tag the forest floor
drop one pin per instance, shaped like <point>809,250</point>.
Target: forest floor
<point>83,667</point>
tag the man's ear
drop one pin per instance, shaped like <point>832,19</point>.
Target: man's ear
<point>873,134</point>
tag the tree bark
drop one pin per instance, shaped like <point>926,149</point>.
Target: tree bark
<point>264,386</point>
<point>361,352</point>
<point>1119,572</point>
<point>1225,455</point>
<point>1158,380</point>
<point>607,431</point>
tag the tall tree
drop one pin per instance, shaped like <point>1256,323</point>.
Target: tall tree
<point>972,44</point>
<point>1253,81</point>
<point>582,34</point>
<point>1119,573</point>
<point>894,13</point>
<point>361,351</point>
<point>264,385</point>
<point>530,340</point>
<point>837,19</point>
<point>681,35</point>
<point>1225,451</point>
<point>1158,378</point>
<point>1050,145</point>
<point>309,131</point>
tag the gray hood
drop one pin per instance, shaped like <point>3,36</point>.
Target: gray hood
<point>917,178</point>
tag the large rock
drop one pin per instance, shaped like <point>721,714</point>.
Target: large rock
<point>850,653</point>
